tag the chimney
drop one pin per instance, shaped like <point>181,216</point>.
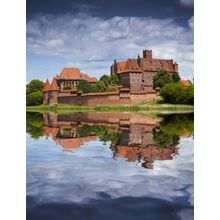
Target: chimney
<point>147,54</point>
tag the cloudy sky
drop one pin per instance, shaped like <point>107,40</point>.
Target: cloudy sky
<point>90,34</point>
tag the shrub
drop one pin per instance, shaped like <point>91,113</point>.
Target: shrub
<point>176,93</point>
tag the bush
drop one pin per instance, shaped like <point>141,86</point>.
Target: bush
<point>161,79</point>
<point>34,98</point>
<point>177,93</point>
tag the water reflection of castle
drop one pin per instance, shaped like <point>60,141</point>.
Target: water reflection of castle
<point>131,134</point>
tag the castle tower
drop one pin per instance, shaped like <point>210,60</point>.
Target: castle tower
<point>53,97</point>
<point>46,91</point>
<point>147,54</point>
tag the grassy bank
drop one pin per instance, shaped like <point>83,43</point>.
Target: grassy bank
<point>155,107</point>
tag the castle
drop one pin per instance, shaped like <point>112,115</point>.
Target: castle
<point>136,76</point>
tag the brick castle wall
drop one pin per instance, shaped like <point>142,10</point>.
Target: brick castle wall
<point>93,99</point>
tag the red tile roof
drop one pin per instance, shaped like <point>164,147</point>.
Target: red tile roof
<point>158,64</point>
<point>46,86</point>
<point>54,85</point>
<point>186,82</point>
<point>128,66</point>
<point>88,78</point>
<point>75,74</point>
<point>147,65</point>
<point>70,73</point>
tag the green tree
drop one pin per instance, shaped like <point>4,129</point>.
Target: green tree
<point>105,79</point>
<point>34,98</point>
<point>190,94</point>
<point>176,77</point>
<point>115,79</point>
<point>109,80</point>
<point>100,87</point>
<point>161,79</point>
<point>177,93</point>
<point>34,86</point>
<point>85,87</point>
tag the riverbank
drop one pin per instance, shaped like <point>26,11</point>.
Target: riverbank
<point>155,107</point>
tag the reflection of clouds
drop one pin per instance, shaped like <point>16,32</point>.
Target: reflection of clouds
<point>54,176</point>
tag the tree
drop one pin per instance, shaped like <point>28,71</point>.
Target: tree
<point>190,94</point>
<point>85,87</point>
<point>176,77</point>
<point>34,98</point>
<point>34,86</point>
<point>177,93</point>
<point>100,87</point>
<point>109,80</point>
<point>115,79</point>
<point>161,79</point>
<point>104,78</point>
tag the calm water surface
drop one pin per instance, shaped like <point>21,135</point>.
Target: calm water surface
<point>109,166</point>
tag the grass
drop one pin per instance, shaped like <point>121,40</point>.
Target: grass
<point>154,108</point>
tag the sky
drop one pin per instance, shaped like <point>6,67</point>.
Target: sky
<point>90,34</point>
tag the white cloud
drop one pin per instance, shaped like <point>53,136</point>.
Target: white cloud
<point>187,2</point>
<point>93,42</point>
<point>191,22</point>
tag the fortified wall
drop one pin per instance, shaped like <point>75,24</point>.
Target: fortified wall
<point>108,98</point>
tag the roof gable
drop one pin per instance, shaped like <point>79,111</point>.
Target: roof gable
<point>54,85</point>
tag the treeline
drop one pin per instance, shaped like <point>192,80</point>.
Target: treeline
<point>172,90</point>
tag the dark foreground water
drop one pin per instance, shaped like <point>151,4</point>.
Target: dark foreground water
<point>109,166</point>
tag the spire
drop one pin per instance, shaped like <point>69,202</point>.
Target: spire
<point>54,86</point>
<point>46,86</point>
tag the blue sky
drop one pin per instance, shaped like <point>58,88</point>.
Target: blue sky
<point>90,34</point>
